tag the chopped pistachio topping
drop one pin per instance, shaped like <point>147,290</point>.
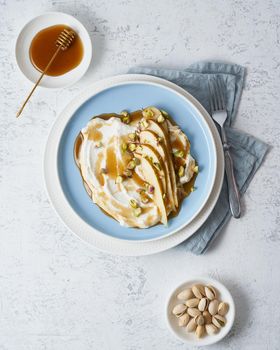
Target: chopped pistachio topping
<point>144,123</point>
<point>98,144</point>
<point>140,190</point>
<point>195,169</point>
<point>127,173</point>
<point>164,113</point>
<point>179,154</point>
<point>131,165</point>
<point>119,179</point>
<point>137,212</point>
<point>160,119</point>
<point>124,113</point>
<point>124,147</point>
<point>126,119</point>
<point>181,171</point>
<point>132,147</point>
<point>133,203</point>
<point>137,161</point>
<point>148,113</point>
<point>146,184</point>
<point>104,171</point>
<point>139,148</point>
<point>164,196</point>
<point>144,198</point>
<point>132,136</point>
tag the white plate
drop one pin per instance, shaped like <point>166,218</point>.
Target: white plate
<point>190,338</point>
<point>76,223</point>
<point>31,29</point>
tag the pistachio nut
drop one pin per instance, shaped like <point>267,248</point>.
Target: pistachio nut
<point>210,292</point>
<point>200,331</point>
<point>198,290</point>
<point>160,118</point>
<point>147,113</point>
<point>195,169</point>
<point>119,179</point>
<point>193,312</point>
<point>132,147</point>
<point>179,153</point>
<point>137,212</point>
<point>192,302</point>
<point>213,307</point>
<point>199,320</point>
<point>218,321</point>
<point>185,294</point>
<point>133,203</point>
<point>179,310</point>
<point>131,165</point>
<point>223,309</point>
<point>191,326</point>
<point>127,173</point>
<point>132,136</point>
<point>211,329</point>
<point>183,320</point>
<point>207,317</point>
<point>181,171</point>
<point>202,305</point>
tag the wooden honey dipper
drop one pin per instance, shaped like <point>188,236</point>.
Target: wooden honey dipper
<point>63,41</point>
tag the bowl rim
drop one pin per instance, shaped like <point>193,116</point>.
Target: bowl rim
<point>209,340</point>
<point>88,49</point>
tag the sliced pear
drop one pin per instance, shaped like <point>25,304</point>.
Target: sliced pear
<point>150,176</point>
<point>162,131</point>
<point>163,134</point>
<point>147,150</point>
<point>151,138</point>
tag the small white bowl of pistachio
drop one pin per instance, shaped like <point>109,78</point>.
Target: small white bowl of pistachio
<point>200,311</point>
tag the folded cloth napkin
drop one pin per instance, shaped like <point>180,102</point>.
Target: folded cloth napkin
<point>247,152</point>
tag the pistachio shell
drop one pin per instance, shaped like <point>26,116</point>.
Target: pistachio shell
<point>207,317</point>
<point>213,307</point>
<point>183,320</point>
<point>211,329</point>
<point>185,294</point>
<point>218,321</point>
<point>200,331</point>
<point>223,309</point>
<point>192,302</point>
<point>210,292</point>
<point>191,326</point>
<point>193,311</point>
<point>203,303</point>
<point>198,291</point>
<point>199,320</point>
<point>179,310</point>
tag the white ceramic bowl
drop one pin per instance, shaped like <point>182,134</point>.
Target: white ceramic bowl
<point>190,338</point>
<point>31,29</point>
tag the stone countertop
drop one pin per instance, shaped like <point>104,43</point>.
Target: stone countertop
<point>56,292</point>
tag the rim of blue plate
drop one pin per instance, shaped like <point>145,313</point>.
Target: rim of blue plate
<point>214,161</point>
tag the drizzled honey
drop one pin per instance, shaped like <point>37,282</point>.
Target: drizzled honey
<point>43,46</point>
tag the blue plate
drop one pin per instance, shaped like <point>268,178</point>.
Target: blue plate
<point>133,96</point>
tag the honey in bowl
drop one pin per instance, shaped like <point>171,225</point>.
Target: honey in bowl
<point>43,46</point>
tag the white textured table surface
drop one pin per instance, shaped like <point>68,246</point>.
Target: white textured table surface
<point>57,293</point>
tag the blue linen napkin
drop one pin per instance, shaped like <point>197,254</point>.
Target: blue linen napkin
<point>247,152</point>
